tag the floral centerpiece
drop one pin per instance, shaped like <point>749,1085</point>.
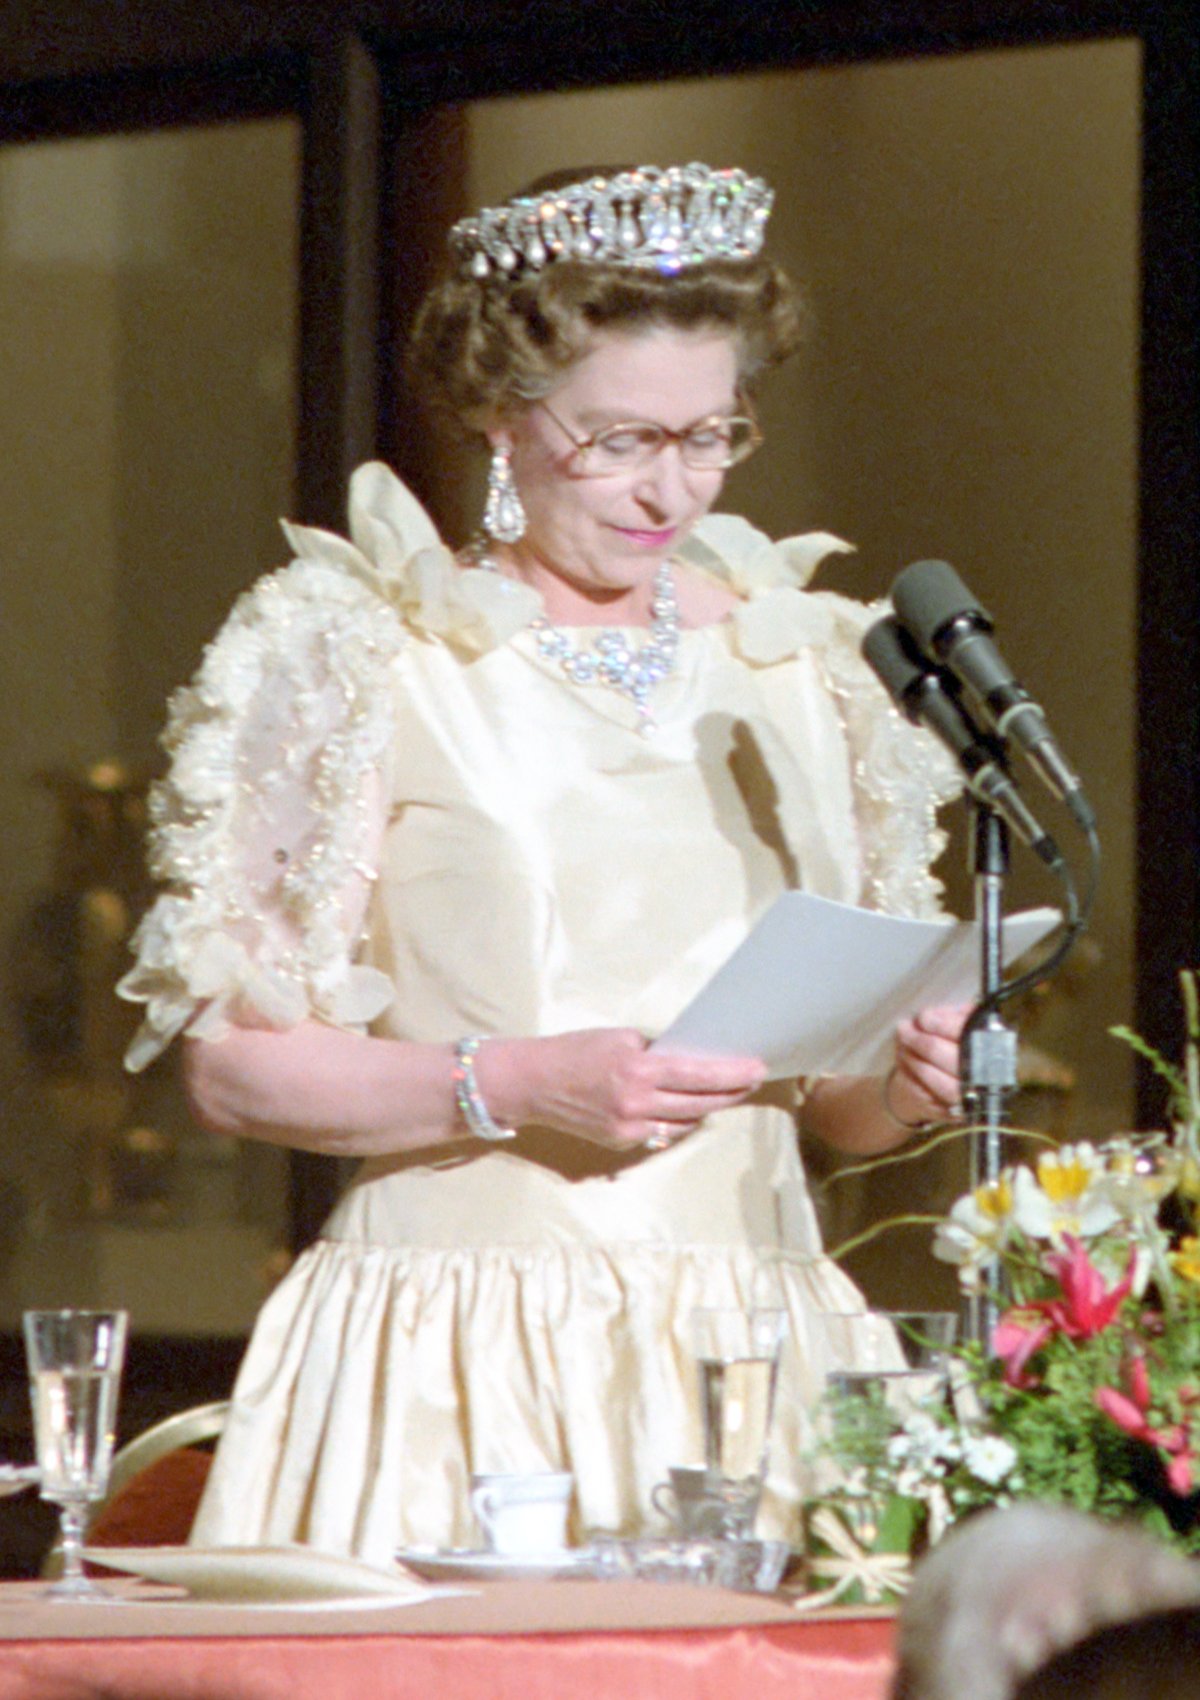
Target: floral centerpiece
<point>1088,1391</point>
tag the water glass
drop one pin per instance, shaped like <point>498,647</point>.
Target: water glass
<point>914,1369</point>
<point>737,1354</point>
<point>75,1359</point>
<point>926,1337</point>
<point>857,1341</point>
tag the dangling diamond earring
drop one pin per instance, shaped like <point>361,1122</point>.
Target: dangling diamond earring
<point>503,515</point>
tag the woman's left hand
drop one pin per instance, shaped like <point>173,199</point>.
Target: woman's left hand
<point>925,1083</point>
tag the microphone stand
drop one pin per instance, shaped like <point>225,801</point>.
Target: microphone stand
<point>989,1053</point>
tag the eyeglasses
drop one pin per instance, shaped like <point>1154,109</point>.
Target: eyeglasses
<point>710,445</point>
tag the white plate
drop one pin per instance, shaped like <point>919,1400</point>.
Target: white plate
<point>464,1564</point>
<point>15,1478</point>
<point>265,1576</point>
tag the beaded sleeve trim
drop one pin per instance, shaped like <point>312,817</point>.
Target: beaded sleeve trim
<point>901,775</point>
<point>261,828</point>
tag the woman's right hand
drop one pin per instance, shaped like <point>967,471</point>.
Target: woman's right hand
<point>606,1085</point>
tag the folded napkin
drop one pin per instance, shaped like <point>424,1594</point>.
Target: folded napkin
<point>285,1575</point>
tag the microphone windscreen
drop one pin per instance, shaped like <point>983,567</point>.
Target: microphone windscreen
<point>888,649</point>
<point>928,595</point>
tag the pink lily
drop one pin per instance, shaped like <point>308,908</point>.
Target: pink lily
<point>1138,1377</point>
<point>1017,1336</point>
<point>1130,1410</point>
<point>1087,1306</point>
<point>1125,1413</point>
<point>1180,1474</point>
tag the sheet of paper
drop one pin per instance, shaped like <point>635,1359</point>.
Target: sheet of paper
<point>818,986</point>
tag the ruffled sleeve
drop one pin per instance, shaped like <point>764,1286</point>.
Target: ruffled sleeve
<point>900,774</point>
<point>266,827</point>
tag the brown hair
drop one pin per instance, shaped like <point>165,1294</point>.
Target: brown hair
<point>481,348</point>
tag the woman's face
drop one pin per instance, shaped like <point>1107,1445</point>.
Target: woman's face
<point>598,541</point>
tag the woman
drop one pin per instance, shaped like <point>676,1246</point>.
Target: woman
<point>508,812</point>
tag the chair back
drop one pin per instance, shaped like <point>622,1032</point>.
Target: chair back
<point>156,1483</point>
<point>185,1428</point>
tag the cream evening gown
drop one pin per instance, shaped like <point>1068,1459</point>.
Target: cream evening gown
<point>386,808</point>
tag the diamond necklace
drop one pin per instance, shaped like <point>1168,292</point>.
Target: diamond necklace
<point>612,660</point>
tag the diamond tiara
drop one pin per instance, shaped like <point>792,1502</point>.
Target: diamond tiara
<point>648,219</point>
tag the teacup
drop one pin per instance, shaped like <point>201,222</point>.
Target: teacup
<point>523,1514</point>
<point>698,1502</point>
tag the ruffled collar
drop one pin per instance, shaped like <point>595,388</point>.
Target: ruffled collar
<point>770,621</point>
<point>395,548</point>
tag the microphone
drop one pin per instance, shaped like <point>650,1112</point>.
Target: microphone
<point>927,697</point>
<point>935,606</point>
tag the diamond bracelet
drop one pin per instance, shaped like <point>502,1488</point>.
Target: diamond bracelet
<point>469,1099</point>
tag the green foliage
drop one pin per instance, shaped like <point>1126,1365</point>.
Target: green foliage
<point>860,1427</point>
<point>1069,1451</point>
<point>1165,1070</point>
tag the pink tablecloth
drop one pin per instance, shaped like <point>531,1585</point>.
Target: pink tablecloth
<point>502,1641</point>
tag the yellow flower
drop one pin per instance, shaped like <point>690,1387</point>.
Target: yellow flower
<point>1066,1175</point>
<point>976,1229</point>
<point>1069,1196</point>
<point>1189,1179</point>
<point>1186,1261</point>
<point>995,1202</point>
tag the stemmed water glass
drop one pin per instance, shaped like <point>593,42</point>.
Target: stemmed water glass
<point>75,1359</point>
<point>737,1354</point>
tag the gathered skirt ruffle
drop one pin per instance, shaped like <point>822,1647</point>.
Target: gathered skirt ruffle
<point>378,1380</point>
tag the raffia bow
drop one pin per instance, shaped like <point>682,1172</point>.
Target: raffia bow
<point>877,1573</point>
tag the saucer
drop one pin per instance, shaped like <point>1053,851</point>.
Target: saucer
<point>465,1564</point>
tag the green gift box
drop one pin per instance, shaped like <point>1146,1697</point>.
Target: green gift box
<point>858,1547</point>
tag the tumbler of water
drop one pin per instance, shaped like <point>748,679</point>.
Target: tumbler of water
<point>737,1352</point>
<point>75,1359</point>
<point>912,1371</point>
<point>926,1337</point>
